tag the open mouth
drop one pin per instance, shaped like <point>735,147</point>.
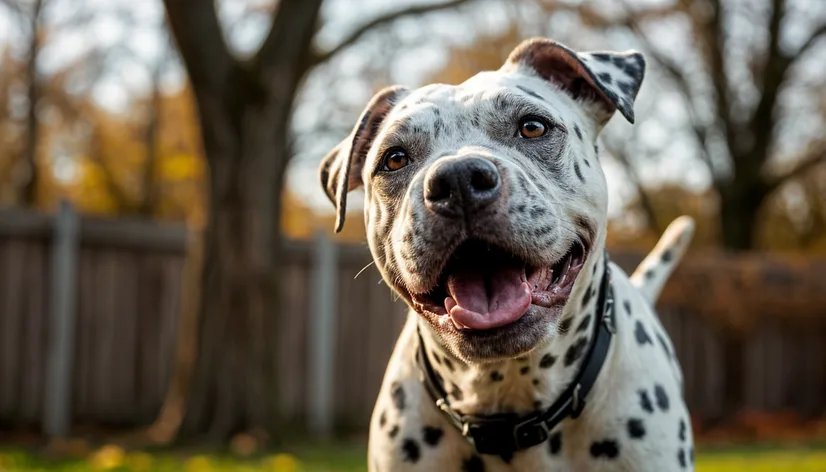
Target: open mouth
<point>484,286</point>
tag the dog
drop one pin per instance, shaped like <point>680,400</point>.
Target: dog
<point>525,348</point>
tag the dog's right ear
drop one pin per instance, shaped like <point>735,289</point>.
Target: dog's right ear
<point>341,168</point>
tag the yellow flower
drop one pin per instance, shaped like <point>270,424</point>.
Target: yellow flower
<point>139,461</point>
<point>108,457</point>
<point>198,464</point>
<point>283,463</point>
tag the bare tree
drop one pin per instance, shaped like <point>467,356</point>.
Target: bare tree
<point>31,14</point>
<point>738,140</point>
<point>244,108</point>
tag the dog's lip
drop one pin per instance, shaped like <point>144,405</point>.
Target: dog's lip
<point>554,293</point>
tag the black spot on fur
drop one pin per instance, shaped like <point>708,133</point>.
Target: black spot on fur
<point>596,150</point>
<point>496,376</point>
<point>636,428</point>
<point>575,351</point>
<point>565,325</point>
<point>520,208</point>
<point>608,449</point>
<point>587,162</point>
<point>535,382</point>
<point>645,402</point>
<point>432,435</point>
<point>547,360</point>
<point>664,345</point>
<point>618,61</point>
<point>382,419</point>
<point>683,428</point>
<point>393,431</point>
<point>587,297</point>
<point>473,464</point>
<point>681,457</point>
<point>633,71</point>
<point>605,78</point>
<point>667,255</point>
<point>456,393</point>
<point>626,87</point>
<point>627,305</point>
<point>524,370</point>
<point>397,392</point>
<point>410,451</point>
<point>649,273</point>
<point>536,212</point>
<point>583,325</point>
<point>578,172</point>
<point>449,364</point>
<point>439,379</point>
<point>601,57</point>
<point>555,443</point>
<point>641,334</point>
<point>436,358</point>
<point>662,397</point>
<point>578,132</point>
<point>537,405</point>
<point>529,92</point>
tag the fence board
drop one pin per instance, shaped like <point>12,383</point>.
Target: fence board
<point>129,282</point>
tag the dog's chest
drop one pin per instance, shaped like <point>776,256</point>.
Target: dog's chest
<point>634,419</point>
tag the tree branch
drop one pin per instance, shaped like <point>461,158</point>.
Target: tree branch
<point>321,57</point>
<point>196,29</point>
<point>681,80</point>
<point>714,34</point>
<point>813,158</point>
<point>811,40</point>
<point>645,201</point>
<point>287,45</point>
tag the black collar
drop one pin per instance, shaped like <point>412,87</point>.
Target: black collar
<point>504,434</point>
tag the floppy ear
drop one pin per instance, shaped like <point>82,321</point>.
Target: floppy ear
<point>341,168</point>
<point>610,80</point>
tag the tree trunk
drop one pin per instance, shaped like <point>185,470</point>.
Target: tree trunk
<point>149,186</point>
<point>739,212</point>
<point>245,140</point>
<point>30,172</point>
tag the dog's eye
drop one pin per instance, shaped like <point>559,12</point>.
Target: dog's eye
<point>394,159</point>
<point>531,127</point>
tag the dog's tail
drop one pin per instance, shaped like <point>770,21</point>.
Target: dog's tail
<point>654,271</point>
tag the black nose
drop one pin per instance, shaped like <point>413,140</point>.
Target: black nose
<point>459,186</point>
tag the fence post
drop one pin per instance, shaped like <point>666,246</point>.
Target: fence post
<point>57,413</point>
<point>322,336</point>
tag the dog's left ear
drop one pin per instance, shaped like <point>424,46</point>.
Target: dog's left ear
<point>610,80</point>
<point>340,170</point>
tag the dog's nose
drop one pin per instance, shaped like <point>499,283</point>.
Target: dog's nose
<point>461,186</point>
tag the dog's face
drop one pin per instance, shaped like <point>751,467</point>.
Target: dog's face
<point>484,201</point>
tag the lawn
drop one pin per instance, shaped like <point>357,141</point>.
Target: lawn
<point>344,459</point>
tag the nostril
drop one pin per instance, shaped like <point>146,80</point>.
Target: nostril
<point>484,179</point>
<point>437,189</point>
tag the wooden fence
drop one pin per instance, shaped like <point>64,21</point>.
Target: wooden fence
<point>126,284</point>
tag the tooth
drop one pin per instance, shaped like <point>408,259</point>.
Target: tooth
<point>450,302</point>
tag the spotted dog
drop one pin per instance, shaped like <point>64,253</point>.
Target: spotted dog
<point>525,348</point>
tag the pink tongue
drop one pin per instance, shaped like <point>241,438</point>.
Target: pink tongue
<point>483,300</point>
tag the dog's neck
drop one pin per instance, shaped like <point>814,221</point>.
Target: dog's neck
<point>530,382</point>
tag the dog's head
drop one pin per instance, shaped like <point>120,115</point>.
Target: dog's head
<point>484,201</point>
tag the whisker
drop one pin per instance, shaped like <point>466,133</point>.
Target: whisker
<point>363,269</point>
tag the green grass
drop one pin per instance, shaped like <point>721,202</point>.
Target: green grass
<point>351,459</point>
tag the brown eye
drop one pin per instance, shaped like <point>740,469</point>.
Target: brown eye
<point>530,128</point>
<point>395,159</point>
